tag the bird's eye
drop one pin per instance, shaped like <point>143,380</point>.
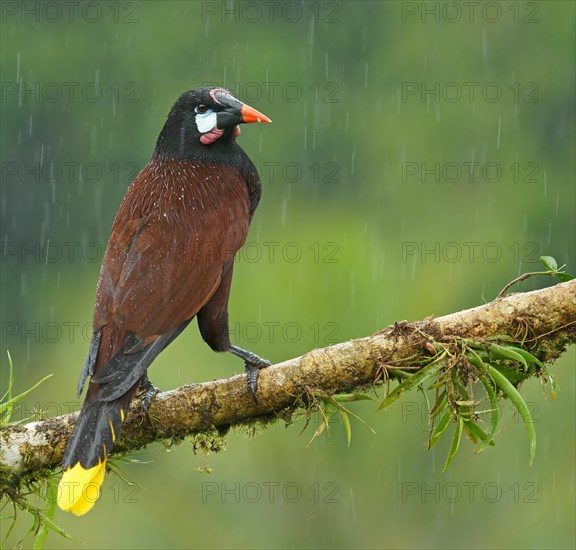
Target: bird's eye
<point>202,108</point>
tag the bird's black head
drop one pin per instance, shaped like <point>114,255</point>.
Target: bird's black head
<point>204,118</point>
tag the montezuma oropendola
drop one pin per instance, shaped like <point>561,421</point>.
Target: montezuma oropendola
<point>169,259</point>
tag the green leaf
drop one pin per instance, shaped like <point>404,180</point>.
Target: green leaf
<point>347,427</point>
<point>51,498</point>
<point>528,357</point>
<point>496,337</point>
<point>350,413</point>
<point>549,263</point>
<point>439,405</point>
<point>349,397</point>
<point>42,519</point>
<point>8,394</point>
<point>318,431</point>
<point>476,360</point>
<point>550,378</point>
<point>564,277</point>
<point>455,442</point>
<point>494,411</point>
<point>414,381</point>
<point>331,405</point>
<point>6,407</point>
<point>512,375</point>
<point>507,352</point>
<point>475,433</point>
<point>440,428</point>
<point>512,393</point>
<point>399,373</point>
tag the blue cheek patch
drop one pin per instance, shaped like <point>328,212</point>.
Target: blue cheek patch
<point>206,121</point>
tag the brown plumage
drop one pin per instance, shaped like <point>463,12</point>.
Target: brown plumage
<point>179,224</point>
<point>169,259</point>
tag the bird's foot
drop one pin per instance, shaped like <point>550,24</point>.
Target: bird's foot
<point>253,363</point>
<point>252,373</point>
<point>149,392</point>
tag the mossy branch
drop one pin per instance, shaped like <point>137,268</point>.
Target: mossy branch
<point>542,322</point>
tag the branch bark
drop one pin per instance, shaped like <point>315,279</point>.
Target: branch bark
<point>33,450</point>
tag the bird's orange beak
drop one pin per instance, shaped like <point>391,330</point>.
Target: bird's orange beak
<point>249,114</point>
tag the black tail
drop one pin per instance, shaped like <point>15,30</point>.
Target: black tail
<point>95,432</point>
<point>117,361</point>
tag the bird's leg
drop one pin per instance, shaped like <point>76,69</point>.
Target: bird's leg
<point>149,391</point>
<point>253,364</point>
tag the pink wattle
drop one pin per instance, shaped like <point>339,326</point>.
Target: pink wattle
<point>216,133</point>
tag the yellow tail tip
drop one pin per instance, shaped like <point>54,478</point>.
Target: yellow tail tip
<point>79,488</point>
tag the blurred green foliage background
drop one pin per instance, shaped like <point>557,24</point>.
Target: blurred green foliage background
<point>421,156</point>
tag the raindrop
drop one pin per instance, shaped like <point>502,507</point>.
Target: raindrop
<point>311,37</point>
<point>352,505</point>
<point>284,211</point>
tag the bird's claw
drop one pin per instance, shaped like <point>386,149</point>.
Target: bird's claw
<point>148,394</point>
<point>252,373</point>
<point>253,364</point>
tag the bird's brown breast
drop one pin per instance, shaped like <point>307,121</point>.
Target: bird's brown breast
<point>179,224</point>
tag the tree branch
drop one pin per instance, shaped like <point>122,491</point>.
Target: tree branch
<point>544,320</point>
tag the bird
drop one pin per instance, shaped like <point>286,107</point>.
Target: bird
<point>169,259</point>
